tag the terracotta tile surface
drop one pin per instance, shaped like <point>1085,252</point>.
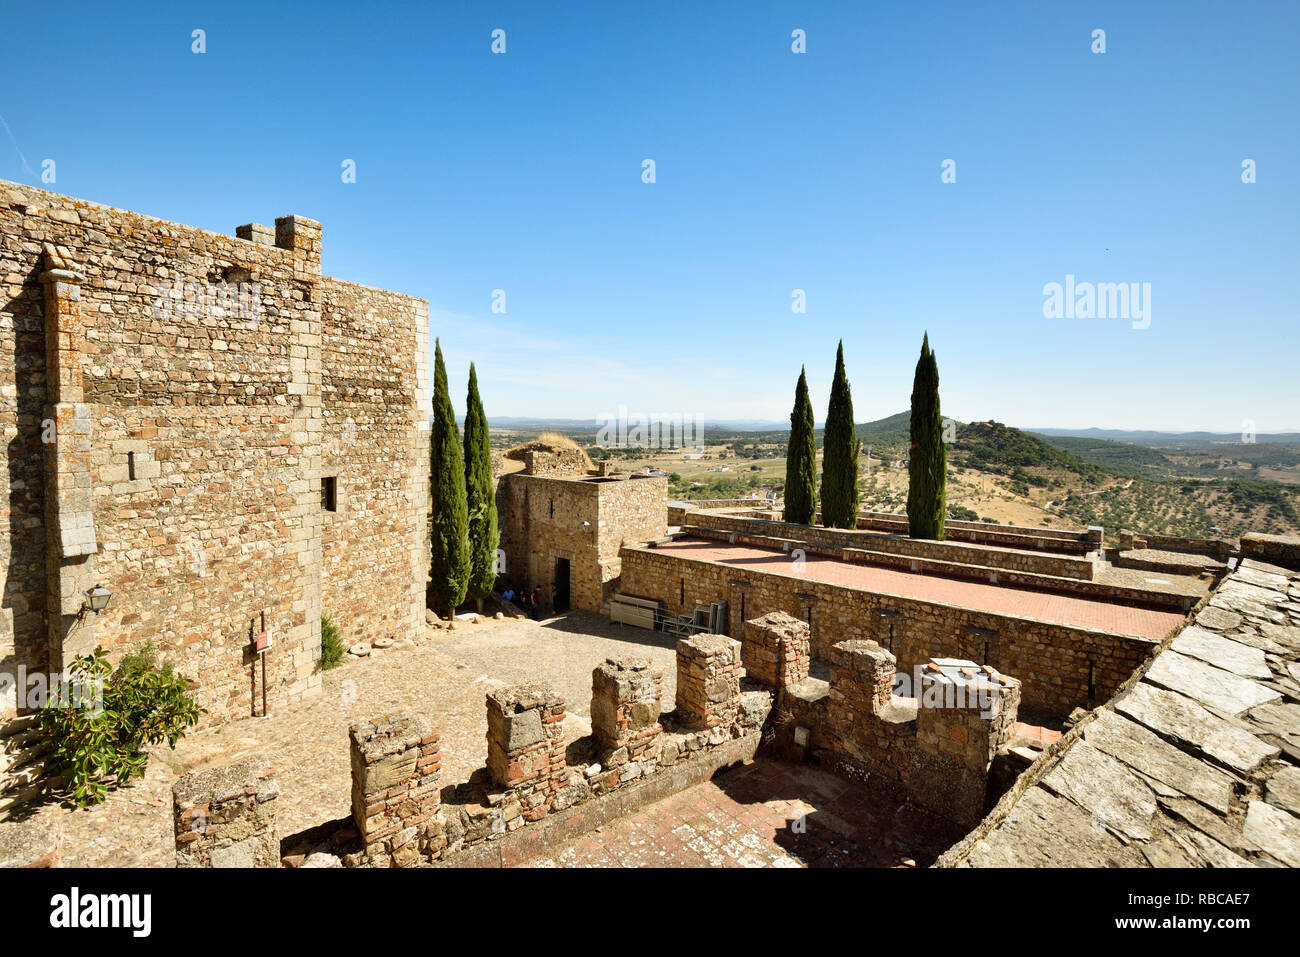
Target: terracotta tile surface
<point>999,599</point>
<point>768,814</point>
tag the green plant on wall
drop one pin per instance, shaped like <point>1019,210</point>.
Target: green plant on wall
<point>331,644</point>
<point>100,743</point>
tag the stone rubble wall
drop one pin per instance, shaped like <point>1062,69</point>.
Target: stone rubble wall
<point>1220,548</point>
<point>1053,661</point>
<point>226,816</point>
<point>709,670</point>
<point>956,746</point>
<point>531,774</point>
<point>987,556</point>
<point>937,748</point>
<point>1282,550</point>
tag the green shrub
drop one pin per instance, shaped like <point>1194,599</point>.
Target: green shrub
<point>331,644</point>
<point>94,748</point>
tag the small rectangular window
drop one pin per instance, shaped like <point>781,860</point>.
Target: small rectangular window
<point>130,466</point>
<point>329,494</point>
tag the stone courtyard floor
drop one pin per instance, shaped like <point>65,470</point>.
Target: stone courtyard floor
<point>446,674</point>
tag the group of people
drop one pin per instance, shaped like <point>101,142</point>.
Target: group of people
<point>529,603</point>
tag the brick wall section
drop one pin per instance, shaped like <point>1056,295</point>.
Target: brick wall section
<point>709,670</point>
<point>626,698</point>
<point>226,816</point>
<point>396,764</point>
<point>777,650</point>
<point>222,416</point>
<point>526,746</point>
<point>1056,663</point>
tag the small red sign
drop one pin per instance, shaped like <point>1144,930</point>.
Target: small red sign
<point>263,641</point>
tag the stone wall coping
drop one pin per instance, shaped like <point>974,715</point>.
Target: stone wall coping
<point>213,785</point>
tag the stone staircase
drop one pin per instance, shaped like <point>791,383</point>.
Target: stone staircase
<point>22,763</point>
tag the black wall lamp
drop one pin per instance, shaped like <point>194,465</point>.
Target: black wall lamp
<point>97,600</point>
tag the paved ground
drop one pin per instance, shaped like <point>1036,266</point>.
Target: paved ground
<point>446,674</point>
<point>999,599</point>
<point>768,814</point>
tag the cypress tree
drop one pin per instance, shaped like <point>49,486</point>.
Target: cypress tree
<point>481,504</point>
<point>450,567</point>
<point>927,471</point>
<point>801,459</point>
<point>840,448</point>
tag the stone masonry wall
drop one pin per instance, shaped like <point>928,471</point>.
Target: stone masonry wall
<point>396,762</point>
<point>861,721</point>
<point>709,670</point>
<point>375,553</point>
<point>957,740</point>
<point>1057,664</point>
<point>542,520</point>
<point>207,431</point>
<point>777,649</point>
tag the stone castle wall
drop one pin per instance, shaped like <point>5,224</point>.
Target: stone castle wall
<point>207,424</point>
<point>375,346</point>
<point>1061,667</point>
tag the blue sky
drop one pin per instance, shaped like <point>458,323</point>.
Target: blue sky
<point>775,171</point>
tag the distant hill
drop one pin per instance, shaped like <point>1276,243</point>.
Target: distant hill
<point>584,426</point>
<point>1122,457</point>
<point>1003,450</point>
<point>1171,439</point>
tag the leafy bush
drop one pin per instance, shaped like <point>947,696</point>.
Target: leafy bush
<point>93,748</point>
<point>331,644</point>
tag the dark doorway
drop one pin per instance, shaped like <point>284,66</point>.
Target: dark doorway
<point>561,585</point>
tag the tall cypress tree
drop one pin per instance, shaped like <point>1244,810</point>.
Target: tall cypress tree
<point>840,448</point>
<point>927,472</point>
<point>480,499</point>
<point>450,566</point>
<point>801,459</point>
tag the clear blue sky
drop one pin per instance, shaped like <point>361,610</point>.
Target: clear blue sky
<point>775,171</point>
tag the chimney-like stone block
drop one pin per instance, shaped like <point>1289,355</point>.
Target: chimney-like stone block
<point>626,697</point>
<point>396,764</point>
<point>777,649</point>
<point>709,670</point>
